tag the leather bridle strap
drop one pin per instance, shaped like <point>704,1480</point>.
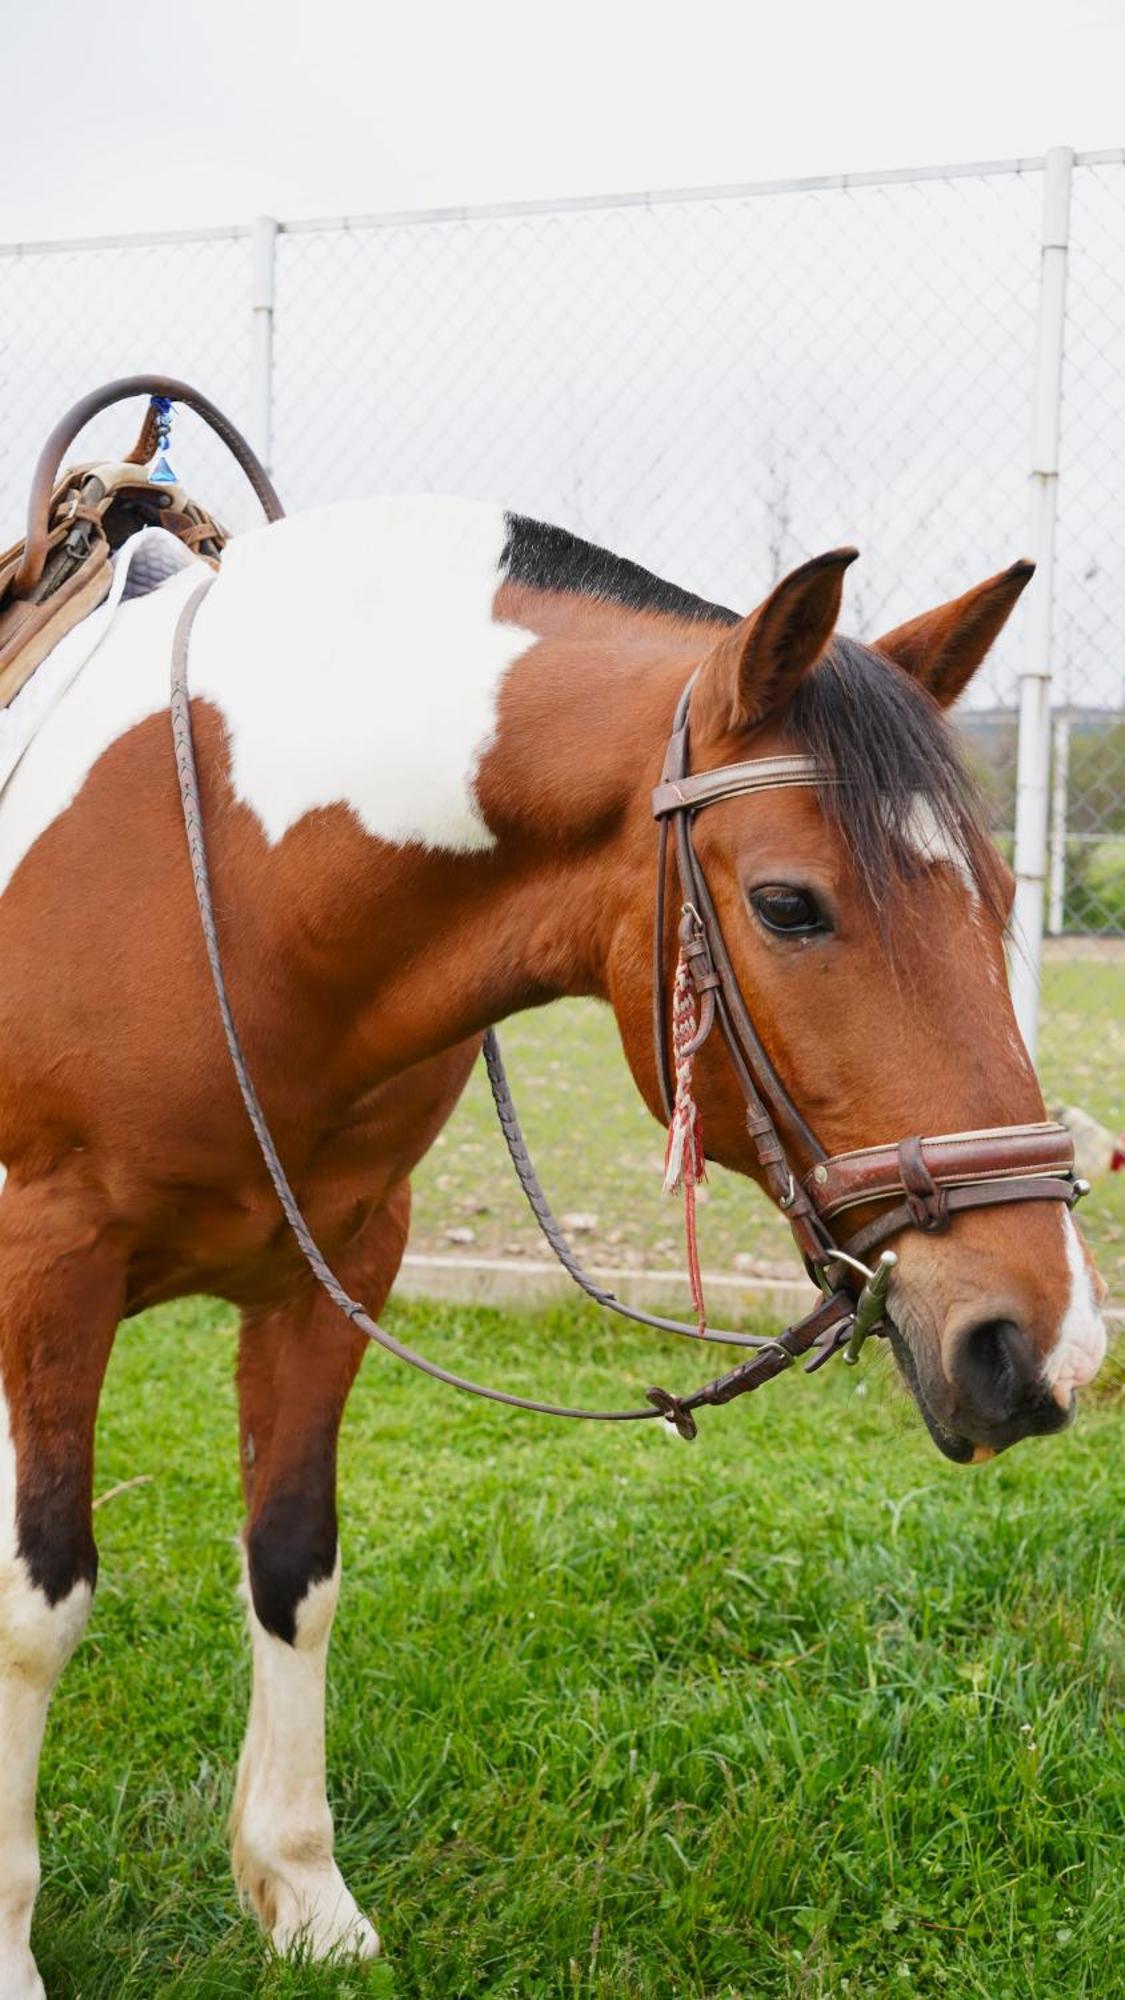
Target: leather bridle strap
<point>943,1176</point>
<point>768,1103</point>
<point>677,798</point>
<point>986,1194</point>
<point>931,1167</point>
<point>730,781</point>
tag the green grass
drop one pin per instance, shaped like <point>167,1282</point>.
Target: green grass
<point>601,1154</point>
<point>1082,1059</point>
<point>799,1710</point>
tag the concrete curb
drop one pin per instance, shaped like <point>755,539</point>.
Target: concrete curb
<point>526,1281</point>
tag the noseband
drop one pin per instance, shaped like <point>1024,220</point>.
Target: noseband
<point>927,1181</point>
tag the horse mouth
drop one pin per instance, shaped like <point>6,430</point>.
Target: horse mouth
<point>952,1445</point>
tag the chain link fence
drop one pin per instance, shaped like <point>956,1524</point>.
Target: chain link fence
<point>715,383</point>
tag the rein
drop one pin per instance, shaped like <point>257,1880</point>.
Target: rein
<point>937,1177</point>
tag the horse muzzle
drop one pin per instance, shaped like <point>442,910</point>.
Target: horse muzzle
<point>993,1387</point>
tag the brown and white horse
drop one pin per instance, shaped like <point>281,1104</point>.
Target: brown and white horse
<point>428,732</point>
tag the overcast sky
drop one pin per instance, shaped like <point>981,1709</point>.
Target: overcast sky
<point>149,116</point>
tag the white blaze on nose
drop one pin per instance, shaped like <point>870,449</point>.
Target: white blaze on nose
<point>1079,1351</point>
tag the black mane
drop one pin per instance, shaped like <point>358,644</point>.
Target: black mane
<point>870,725</point>
<point>547,558</point>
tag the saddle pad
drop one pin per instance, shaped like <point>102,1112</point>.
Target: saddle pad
<point>148,560</point>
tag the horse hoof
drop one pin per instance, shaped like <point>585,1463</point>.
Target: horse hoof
<point>21,1981</point>
<point>320,1918</point>
<point>356,1941</point>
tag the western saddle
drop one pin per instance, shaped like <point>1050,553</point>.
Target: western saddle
<point>62,570</point>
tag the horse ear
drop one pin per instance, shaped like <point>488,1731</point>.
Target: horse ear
<point>756,667</point>
<point>944,648</point>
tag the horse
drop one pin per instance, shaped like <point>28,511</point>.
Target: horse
<point>427,733</point>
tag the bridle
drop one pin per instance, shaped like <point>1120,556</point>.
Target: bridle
<point>936,1178</point>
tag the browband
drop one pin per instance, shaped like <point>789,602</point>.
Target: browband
<point>729,781</point>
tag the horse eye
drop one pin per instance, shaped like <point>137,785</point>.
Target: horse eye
<point>790,912</point>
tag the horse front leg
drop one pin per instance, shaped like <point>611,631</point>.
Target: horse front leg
<point>61,1295</point>
<point>296,1366</point>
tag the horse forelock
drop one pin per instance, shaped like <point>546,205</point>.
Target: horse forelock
<point>903,794</point>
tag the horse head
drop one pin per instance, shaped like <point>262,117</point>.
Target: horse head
<point>865,920</point>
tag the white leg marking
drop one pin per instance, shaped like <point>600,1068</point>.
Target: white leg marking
<point>281,1825</point>
<point>1079,1351</point>
<point>36,1641</point>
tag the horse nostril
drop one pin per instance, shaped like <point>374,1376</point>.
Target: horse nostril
<point>995,1369</point>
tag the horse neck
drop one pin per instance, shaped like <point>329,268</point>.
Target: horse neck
<point>584,719</point>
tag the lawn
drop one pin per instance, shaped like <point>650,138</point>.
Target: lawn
<point>797,1710</point>
<point>800,1710</point>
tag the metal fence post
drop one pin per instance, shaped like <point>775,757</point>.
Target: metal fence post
<point>263,250</point>
<point>1034,755</point>
<point>1060,779</point>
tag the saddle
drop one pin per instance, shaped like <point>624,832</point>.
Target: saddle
<point>62,570</point>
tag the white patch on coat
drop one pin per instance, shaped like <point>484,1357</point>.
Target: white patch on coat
<point>1079,1351</point>
<point>353,655</point>
<point>281,1824</point>
<point>932,843</point>
<point>36,1640</point>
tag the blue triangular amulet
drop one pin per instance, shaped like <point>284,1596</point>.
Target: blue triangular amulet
<point>160,472</point>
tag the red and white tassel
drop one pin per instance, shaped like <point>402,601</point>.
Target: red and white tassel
<point>684,1161</point>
